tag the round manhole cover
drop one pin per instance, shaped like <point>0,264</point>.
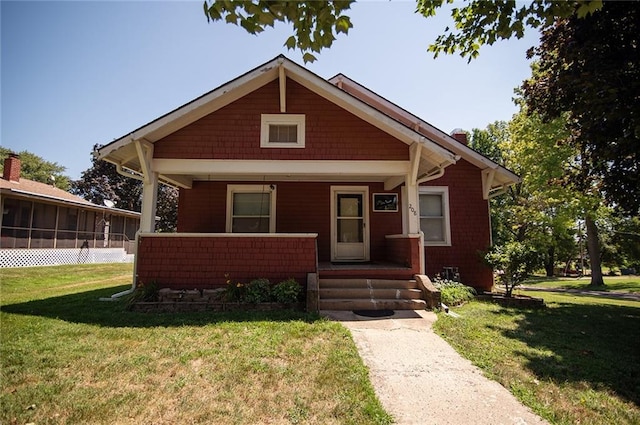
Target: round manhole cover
<point>374,313</point>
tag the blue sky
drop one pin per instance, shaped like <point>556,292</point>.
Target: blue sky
<point>78,73</point>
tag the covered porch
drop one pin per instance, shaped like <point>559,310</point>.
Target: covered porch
<point>210,260</point>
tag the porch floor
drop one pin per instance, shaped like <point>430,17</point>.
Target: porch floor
<point>368,270</point>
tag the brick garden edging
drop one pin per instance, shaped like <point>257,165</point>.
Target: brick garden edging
<point>197,306</point>
<point>193,300</point>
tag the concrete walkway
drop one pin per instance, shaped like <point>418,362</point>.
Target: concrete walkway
<point>420,379</point>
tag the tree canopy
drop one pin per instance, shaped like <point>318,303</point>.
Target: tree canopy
<point>38,169</point>
<point>590,69</point>
<point>317,23</point>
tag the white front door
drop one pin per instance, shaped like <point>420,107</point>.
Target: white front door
<point>349,227</point>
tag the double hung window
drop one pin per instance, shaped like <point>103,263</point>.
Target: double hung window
<point>251,209</point>
<point>434,216</point>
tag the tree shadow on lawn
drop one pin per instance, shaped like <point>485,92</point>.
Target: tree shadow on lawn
<point>599,344</point>
<point>85,307</point>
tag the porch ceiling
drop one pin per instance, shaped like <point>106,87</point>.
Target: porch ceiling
<point>256,170</point>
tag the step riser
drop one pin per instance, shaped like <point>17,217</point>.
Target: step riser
<point>345,305</point>
<point>367,283</point>
<point>358,293</point>
<point>370,294</point>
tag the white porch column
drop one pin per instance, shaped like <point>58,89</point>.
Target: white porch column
<point>149,187</point>
<point>149,200</point>
<point>412,206</point>
<point>411,188</point>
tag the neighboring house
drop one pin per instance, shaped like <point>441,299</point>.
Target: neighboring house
<point>44,225</point>
<point>284,174</point>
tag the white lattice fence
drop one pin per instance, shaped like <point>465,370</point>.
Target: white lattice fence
<point>51,257</point>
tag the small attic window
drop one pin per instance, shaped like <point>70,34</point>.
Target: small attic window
<point>282,131</point>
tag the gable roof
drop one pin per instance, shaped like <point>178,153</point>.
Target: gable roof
<point>502,176</point>
<point>30,189</point>
<point>438,149</point>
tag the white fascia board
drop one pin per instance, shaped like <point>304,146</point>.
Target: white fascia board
<point>275,167</point>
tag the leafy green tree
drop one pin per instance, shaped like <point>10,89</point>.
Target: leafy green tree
<point>590,69</point>
<point>481,22</point>
<point>538,211</point>
<point>317,23</point>
<point>37,169</point>
<point>102,182</point>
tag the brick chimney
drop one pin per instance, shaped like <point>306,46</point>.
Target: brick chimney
<point>460,135</point>
<point>12,168</point>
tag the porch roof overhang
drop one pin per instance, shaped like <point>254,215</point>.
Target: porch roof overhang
<point>125,152</point>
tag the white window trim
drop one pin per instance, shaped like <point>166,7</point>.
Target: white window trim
<point>281,119</point>
<point>444,192</point>
<point>251,188</point>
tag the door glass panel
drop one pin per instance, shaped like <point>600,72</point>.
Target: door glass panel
<point>350,205</point>
<point>350,230</point>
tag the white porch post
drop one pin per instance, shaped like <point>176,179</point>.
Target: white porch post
<point>149,187</point>
<point>411,222</point>
<point>411,187</point>
<point>413,217</point>
<point>149,200</point>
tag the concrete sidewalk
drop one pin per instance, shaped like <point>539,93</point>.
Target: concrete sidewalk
<point>420,379</point>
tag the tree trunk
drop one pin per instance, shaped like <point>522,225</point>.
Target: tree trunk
<point>551,260</point>
<point>593,247</point>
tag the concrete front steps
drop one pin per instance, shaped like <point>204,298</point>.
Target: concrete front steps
<point>370,294</point>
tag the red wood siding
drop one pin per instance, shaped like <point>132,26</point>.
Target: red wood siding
<point>301,207</point>
<point>233,132</point>
<point>470,227</point>
<point>202,262</point>
<point>404,251</point>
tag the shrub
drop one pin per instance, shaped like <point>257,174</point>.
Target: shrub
<point>258,291</point>
<point>287,291</point>
<point>235,291</point>
<point>513,262</point>
<point>144,293</point>
<point>453,293</point>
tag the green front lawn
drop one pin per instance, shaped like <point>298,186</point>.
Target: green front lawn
<point>69,358</point>
<point>575,362</point>
<point>613,283</point>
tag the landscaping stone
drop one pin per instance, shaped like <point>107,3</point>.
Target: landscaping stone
<point>513,301</point>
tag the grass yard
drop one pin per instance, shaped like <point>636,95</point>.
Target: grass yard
<point>69,358</point>
<point>575,362</point>
<point>629,284</point>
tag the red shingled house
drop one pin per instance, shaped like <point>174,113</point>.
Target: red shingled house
<point>285,174</point>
